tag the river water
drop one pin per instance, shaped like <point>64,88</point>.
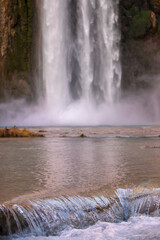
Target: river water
<point>105,162</point>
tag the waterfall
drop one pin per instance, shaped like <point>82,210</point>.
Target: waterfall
<point>80,51</point>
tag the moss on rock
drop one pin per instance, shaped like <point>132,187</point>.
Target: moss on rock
<point>16,41</point>
<point>141,24</point>
<point>140,28</point>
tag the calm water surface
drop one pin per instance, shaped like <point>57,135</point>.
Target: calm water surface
<point>48,167</point>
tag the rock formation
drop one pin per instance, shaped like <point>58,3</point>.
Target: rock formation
<point>16,45</point>
<point>140,52</point>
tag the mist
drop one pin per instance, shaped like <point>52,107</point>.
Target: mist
<point>81,73</point>
<point>139,107</point>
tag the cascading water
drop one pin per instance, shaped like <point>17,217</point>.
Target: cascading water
<point>80,51</point>
<point>79,79</point>
<point>52,216</point>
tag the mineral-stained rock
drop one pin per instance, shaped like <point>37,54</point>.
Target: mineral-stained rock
<point>156,6</point>
<point>16,45</point>
<point>153,20</point>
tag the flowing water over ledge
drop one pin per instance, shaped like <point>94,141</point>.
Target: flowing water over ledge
<point>51,217</point>
<point>52,186</point>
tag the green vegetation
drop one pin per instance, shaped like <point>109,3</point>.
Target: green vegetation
<point>16,25</point>
<point>141,24</point>
<point>19,50</point>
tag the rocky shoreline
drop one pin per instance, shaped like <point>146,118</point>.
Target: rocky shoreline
<point>99,131</point>
<point>83,132</point>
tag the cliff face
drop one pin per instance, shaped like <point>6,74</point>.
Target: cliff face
<point>140,52</point>
<point>16,42</point>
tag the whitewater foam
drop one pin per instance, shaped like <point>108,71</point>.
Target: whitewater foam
<point>137,228</point>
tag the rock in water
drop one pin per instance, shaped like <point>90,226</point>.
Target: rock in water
<point>16,132</point>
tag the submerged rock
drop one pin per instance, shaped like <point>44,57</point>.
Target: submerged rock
<point>82,135</point>
<point>42,131</point>
<point>147,146</point>
<point>16,132</point>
